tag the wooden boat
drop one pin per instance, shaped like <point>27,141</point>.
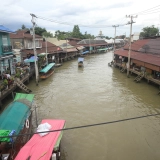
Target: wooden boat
<point>84,53</point>
<point>47,71</point>
<point>80,62</point>
<point>102,50</point>
<point>44,147</point>
<point>58,65</point>
<point>15,119</point>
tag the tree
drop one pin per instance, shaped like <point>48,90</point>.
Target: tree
<point>23,26</point>
<point>149,32</point>
<point>76,32</point>
<point>39,31</point>
<point>47,34</point>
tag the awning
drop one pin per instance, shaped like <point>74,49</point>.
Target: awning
<point>70,50</point>
<point>41,147</point>
<point>42,54</point>
<point>47,68</point>
<point>80,48</point>
<point>31,59</point>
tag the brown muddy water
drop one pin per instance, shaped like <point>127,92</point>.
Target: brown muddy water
<point>99,93</point>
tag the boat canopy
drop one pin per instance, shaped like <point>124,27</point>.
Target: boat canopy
<point>19,96</point>
<point>80,59</point>
<point>41,147</point>
<point>47,68</point>
<point>85,52</point>
<point>14,116</point>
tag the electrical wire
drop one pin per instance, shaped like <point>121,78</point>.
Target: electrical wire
<point>71,24</point>
<point>85,126</point>
<point>147,10</point>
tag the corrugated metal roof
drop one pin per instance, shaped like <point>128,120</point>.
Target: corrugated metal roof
<point>70,50</point>
<point>148,58</point>
<point>6,30</point>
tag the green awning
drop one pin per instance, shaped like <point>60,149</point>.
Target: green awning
<point>14,116</point>
<point>47,68</point>
<point>29,97</point>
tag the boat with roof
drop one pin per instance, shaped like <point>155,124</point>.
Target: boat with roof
<point>44,145</point>
<point>80,62</point>
<point>47,71</point>
<point>15,120</point>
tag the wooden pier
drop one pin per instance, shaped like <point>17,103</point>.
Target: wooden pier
<point>138,73</point>
<point>13,87</point>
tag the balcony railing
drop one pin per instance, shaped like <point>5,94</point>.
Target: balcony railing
<point>6,48</point>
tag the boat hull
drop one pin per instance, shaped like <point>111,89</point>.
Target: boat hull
<point>45,76</point>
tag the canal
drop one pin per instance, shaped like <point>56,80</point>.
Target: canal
<point>99,93</point>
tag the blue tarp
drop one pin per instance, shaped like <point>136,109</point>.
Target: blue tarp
<point>31,59</point>
<point>85,52</point>
<point>80,59</point>
<point>4,29</point>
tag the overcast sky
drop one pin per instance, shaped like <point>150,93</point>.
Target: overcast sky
<point>14,13</point>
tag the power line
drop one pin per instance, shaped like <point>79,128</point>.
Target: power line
<point>145,10</point>
<point>85,126</point>
<point>81,25</point>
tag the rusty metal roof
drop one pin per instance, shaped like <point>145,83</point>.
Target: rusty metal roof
<point>144,57</point>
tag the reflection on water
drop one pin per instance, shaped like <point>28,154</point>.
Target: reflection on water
<point>98,93</point>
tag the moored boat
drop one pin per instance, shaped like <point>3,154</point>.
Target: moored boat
<point>47,71</point>
<point>41,146</point>
<point>80,62</point>
<point>15,119</point>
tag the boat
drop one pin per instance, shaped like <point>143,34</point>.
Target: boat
<point>58,64</point>
<point>102,50</point>
<point>80,62</point>
<point>47,71</point>
<point>15,119</point>
<point>84,53</point>
<point>44,147</point>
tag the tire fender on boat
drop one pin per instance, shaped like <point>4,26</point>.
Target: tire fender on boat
<point>27,123</point>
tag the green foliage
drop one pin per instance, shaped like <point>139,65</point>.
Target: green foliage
<point>149,31</point>
<point>76,32</point>
<point>5,82</point>
<point>39,31</point>
<point>61,35</point>
<point>47,34</point>
<point>17,75</point>
<point>23,26</point>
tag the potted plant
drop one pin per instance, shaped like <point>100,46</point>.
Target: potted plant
<point>5,82</point>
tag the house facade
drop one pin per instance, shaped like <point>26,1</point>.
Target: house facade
<point>23,40</point>
<point>6,53</point>
<point>144,59</point>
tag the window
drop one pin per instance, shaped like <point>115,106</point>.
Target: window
<point>4,40</point>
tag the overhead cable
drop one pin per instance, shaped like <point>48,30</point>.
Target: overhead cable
<point>147,10</point>
<point>81,25</point>
<point>85,126</point>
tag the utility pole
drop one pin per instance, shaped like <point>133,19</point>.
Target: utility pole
<point>115,26</point>
<point>129,52</point>
<point>46,51</point>
<point>34,48</point>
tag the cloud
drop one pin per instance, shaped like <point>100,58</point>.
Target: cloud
<point>14,13</point>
